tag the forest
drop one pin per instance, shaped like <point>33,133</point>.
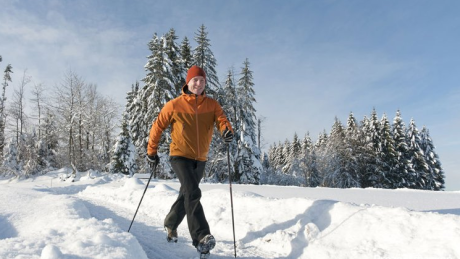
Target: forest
<point>73,125</point>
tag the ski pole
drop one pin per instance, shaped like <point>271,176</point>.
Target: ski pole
<point>147,186</point>
<point>231,196</point>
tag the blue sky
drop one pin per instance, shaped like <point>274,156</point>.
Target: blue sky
<point>312,60</point>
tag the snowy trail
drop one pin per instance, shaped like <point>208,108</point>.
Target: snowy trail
<point>146,228</point>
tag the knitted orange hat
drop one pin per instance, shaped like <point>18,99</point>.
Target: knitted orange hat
<point>194,71</point>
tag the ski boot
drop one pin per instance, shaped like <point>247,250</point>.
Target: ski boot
<point>172,235</point>
<point>206,244</point>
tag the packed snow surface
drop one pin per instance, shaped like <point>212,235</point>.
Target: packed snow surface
<point>50,217</point>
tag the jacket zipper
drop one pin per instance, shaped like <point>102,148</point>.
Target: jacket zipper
<point>197,133</point>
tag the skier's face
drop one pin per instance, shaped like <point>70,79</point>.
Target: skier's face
<point>196,85</point>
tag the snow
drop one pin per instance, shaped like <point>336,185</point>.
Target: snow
<point>46,218</point>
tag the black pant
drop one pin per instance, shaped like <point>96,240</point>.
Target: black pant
<point>188,203</point>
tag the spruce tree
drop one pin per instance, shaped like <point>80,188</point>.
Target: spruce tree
<point>418,175</point>
<point>186,55</point>
<point>435,173</point>
<point>204,58</point>
<point>186,58</point>
<point>277,155</point>
<point>306,145</point>
<point>248,161</point>
<point>372,138</point>
<point>368,151</point>
<point>177,69</point>
<point>286,156</point>
<point>293,152</point>
<point>50,140</point>
<point>135,121</point>
<point>157,90</point>
<point>402,168</point>
<point>354,150</point>
<point>124,153</point>
<point>308,163</point>
<point>296,147</point>
<point>228,101</point>
<point>388,157</point>
<point>33,162</point>
<point>123,158</point>
<point>337,172</point>
<point>11,161</point>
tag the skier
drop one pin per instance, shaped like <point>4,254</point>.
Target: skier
<point>192,117</point>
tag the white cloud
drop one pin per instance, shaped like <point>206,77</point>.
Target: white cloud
<point>49,45</point>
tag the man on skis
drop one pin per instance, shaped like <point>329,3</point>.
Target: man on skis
<point>192,117</point>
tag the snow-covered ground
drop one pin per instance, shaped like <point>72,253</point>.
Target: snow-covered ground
<point>47,218</point>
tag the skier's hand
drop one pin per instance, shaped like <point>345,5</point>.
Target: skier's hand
<point>227,135</point>
<point>153,161</point>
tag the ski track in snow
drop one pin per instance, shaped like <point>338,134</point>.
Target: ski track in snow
<point>145,228</point>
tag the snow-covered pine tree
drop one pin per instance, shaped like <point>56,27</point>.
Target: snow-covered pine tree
<point>270,173</point>
<point>123,153</point>
<point>418,177</point>
<point>276,156</point>
<point>314,177</point>
<point>402,167</point>
<point>306,145</point>
<point>178,71</point>
<point>293,156</point>
<point>204,58</point>
<point>337,173</point>
<point>371,135</point>
<point>229,102</point>
<point>248,159</point>
<point>49,142</point>
<point>285,155</point>
<point>42,155</point>
<point>268,170</point>
<point>354,150</point>
<point>435,176</point>
<point>296,147</point>
<point>6,79</point>
<point>158,89</point>
<point>218,171</point>
<point>308,163</point>
<point>320,151</point>
<point>388,157</point>
<point>10,165</point>
<point>33,162</point>
<point>292,167</point>
<point>321,141</point>
<point>135,121</point>
<point>186,58</point>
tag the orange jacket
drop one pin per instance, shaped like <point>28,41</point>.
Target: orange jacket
<point>192,120</point>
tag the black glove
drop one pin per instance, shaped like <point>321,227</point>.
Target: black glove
<point>227,135</point>
<point>153,161</point>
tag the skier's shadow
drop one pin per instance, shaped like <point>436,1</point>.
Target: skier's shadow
<point>317,213</point>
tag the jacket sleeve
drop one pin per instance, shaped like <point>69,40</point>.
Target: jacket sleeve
<point>221,120</point>
<point>159,125</point>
